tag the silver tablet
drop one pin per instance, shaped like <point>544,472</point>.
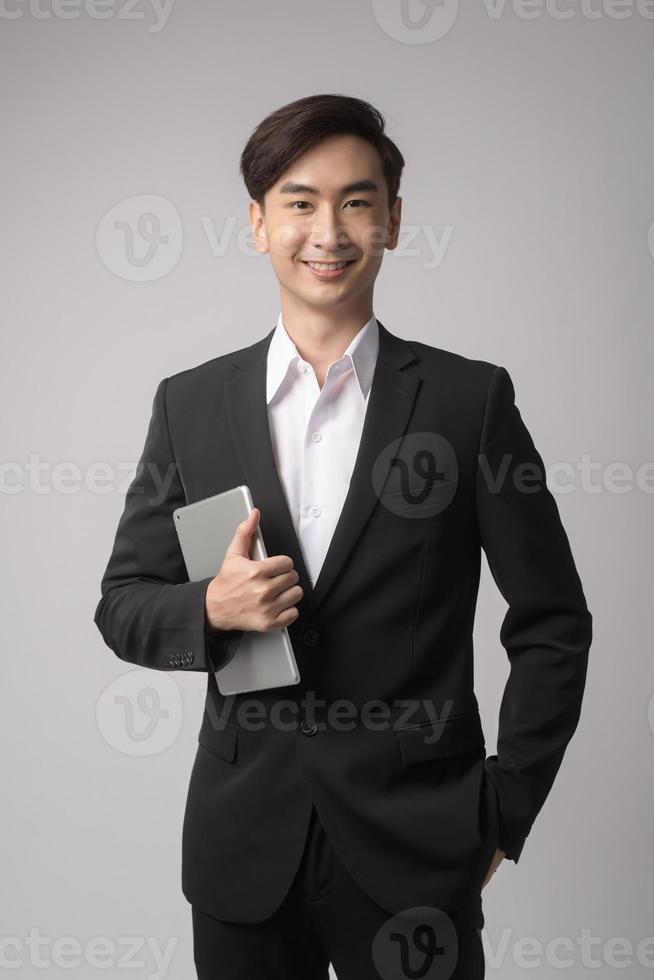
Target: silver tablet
<point>205,530</point>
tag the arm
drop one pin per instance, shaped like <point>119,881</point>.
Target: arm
<point>149,613</point>
<point>547,629</point>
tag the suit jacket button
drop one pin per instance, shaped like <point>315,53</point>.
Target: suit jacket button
<point>310,638</point>
<point>307,728</point>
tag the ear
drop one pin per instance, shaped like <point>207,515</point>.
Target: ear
<point>394,223</point>
<point>258,224</point>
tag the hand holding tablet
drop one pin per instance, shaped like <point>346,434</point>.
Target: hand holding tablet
<point>220,537</point>
<point>251,594</point>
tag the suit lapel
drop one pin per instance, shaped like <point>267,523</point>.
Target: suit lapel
<point>390,404</point>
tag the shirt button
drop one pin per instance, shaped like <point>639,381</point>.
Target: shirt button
<point>307,728</point>
<point>316,436</point>
<point>310,638</point>
<point>315,511</point>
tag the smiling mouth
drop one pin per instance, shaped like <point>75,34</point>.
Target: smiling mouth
<point>328,266</point>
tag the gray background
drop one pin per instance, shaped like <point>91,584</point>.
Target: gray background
<point>529,156</point>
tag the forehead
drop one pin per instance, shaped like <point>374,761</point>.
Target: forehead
<point>334,165</point>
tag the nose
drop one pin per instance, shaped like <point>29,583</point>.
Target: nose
<point>327,232</point>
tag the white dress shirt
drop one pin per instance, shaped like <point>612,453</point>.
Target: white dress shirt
<point>316,432</point>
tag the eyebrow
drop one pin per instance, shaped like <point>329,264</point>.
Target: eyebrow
<point>290,187</point>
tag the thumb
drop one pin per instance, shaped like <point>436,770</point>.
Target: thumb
<point>241,543</point>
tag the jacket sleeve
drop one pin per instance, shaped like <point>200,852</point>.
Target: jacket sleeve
<point>149,613</point>
<point>547,629</point>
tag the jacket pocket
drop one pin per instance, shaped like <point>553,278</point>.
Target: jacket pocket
<point>220,737</point>
<point>438,739</point>
<point>422,501</point>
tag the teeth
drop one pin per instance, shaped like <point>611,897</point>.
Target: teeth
<point>326,265</point>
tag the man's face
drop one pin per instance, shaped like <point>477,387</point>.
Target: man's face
<point>330,206</point>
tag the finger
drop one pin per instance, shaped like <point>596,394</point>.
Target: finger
<point>280,583</point>
<point>241,543</point>
<point>275,565</point>
<point>286,599</point>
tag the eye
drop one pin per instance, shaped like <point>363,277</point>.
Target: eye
<point>308,203</point>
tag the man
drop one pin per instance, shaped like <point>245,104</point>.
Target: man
<point>353,818</point>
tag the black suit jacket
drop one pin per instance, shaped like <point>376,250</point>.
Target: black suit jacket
<point>407,795</point>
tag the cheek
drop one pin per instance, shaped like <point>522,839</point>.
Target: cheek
<point>372,241</point>
<point>285,242</point>
<point>369,266</point>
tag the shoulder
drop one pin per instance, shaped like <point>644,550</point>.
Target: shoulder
<point>458,373</point>
<point>216,367</point>
<point>193,384</point>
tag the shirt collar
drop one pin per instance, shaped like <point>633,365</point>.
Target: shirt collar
<point>362,352</point>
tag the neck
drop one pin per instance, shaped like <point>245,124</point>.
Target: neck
<point>321,336</point>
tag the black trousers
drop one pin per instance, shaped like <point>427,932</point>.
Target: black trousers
<point>327,918</point>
